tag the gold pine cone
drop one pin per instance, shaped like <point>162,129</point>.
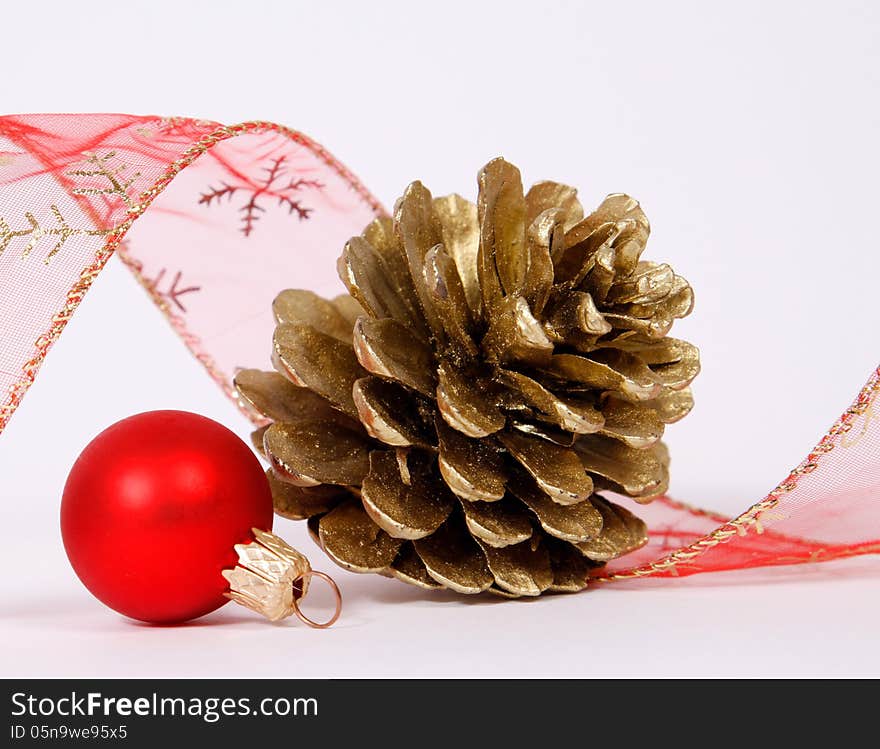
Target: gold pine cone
<point>449,421</point>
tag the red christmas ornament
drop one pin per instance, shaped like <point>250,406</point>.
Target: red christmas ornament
<point>152,511</point>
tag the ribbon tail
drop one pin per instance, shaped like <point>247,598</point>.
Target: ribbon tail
<point>827,508</point>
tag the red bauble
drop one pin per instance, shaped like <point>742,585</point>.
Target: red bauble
<point>153,508</point>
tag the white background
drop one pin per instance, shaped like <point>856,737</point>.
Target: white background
<point>749,133</point>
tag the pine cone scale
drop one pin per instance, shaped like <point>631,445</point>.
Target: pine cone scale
<point>376,287</point>
<point>672,406</point>
<point>522,570</point>
<point>556,469</point>
<point>387,349</point>
<point>301,503</point>
<point>570,567</point>
<point>472,469</point>
<point>272,395</point>
<point>448,297</point>
<point>497,524</point>
<point>515,335</point>
<point>418,231</point>
<point>544,196</point>
<point>391,414</point>
<point>630,424</point>
<point>302,453</point>
<point>502,260</point>
<point>297,306</point>
<point>409,567</point>
<point>568,414</point>
<point>575,523</point>
<point>463,403</point>
<point>640,474</point>
<point>453,559</point>
<point>403,511</point>
<point>459,228</point>
<point>622,532</point>
<point>627,376</point>
<point>354,541</point>
<point>318,362</point>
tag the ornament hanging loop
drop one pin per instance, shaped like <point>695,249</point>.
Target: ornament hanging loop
<point>303,581</point>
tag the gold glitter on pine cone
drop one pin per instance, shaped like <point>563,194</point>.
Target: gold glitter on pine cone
<point>495,365</point>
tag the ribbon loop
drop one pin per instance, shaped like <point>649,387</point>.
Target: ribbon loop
<point>214,221</point>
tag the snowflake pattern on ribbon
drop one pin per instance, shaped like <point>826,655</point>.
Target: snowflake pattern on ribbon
<point>272,186</point>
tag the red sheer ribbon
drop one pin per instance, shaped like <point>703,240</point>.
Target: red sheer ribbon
<point>222,218</point>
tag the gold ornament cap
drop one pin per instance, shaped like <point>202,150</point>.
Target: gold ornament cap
<point>272,577</point>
